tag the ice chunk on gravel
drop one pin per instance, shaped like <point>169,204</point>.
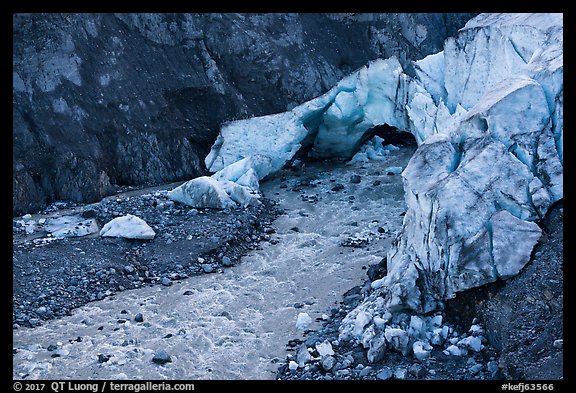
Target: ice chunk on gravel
<point>453,350</point>
<point>417,327</point>
<point>476,330</point>
<point>128,226</point>
<point>70,226</point>
<point>377,348</point>
<point>292,365</point>
<point>394,169</point>
<point>303,356</point>
<point>303,321</point>
<point>398,339</point>
<point>362,319</point>
<point>435,321</point>
<point>202,192</point>
<point>367,336</point>
<point>379,322</point>
<point>324,348</point>
<point>439,335</point>
<point>421,350</point>
<point>472,342</point>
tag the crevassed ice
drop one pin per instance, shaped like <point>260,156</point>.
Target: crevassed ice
<point>477,184</point>
<point>487,114</point>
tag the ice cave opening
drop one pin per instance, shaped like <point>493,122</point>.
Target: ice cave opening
<point>391,135</point>
<point>379,139</point>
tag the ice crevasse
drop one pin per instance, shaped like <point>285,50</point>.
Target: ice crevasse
<point>486,113</point>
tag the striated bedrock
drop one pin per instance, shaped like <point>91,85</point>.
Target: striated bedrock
<point>476,193</point>
<point>101,100</point>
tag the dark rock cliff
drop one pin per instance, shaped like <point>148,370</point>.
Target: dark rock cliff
<point>104,100</point>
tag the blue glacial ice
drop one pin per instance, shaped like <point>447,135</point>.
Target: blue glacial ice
<point>487,114</point>
<point>475,187</point>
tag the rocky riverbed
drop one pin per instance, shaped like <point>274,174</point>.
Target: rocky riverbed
<point>217,294</point>
<point>309,242</point>
<point>519,321</point>
<point>53,276</point>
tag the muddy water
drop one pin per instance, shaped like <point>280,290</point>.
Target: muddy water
<point>235,324</point>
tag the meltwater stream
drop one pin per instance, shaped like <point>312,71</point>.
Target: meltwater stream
<point>235,324</point>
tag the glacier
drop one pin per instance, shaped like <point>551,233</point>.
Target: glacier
<point>475,188</point>
<point>487,115</point>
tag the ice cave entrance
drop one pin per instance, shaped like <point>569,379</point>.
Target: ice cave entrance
<point>372,145</point>
<point>391,135</point>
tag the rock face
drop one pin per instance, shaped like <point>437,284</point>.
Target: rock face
<point>101,100</point>
<point>525,317</point>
